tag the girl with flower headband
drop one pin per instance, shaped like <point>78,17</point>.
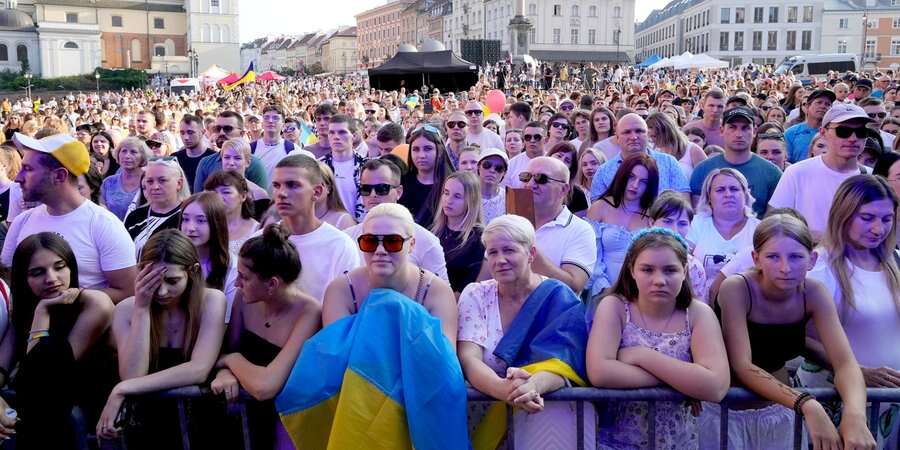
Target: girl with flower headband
<point>650,331</point>
<point>765,314</point>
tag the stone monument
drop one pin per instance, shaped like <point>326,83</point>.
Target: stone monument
<point>519,28</point>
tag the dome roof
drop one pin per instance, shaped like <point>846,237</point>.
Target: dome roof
<point>13,19</point>
<point>431,45</point>
<point>407,48</point>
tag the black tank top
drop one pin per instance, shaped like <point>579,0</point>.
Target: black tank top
<point>773,344</point>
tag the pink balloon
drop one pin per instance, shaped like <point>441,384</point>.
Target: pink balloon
<point>496,100</point>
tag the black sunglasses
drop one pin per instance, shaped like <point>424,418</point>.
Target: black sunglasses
<point>224,128</point>
<point>393,243</point>
<point>539,178</point>
<point>496,167</point>
<point>456,124</point>
<point>153,144</point>
<point>880,115</point>
<point>474,112</point>
<point>567,107</point>
<point>382,189</point>
<point>370,112</point>
<point>845,132</point>
<point>560,125</point>
<point>532,137</point>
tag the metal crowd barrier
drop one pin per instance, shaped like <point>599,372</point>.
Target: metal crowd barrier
<point>875,397</point>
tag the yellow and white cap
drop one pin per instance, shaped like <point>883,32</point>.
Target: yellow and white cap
<point>70,152</point>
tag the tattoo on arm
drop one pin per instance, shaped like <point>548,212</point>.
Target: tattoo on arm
<point>763,375</point>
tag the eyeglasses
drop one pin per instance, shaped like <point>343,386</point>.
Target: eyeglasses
<point>227,129</point>
<point>567,107</point>
<point>474,112</point>
<point>532,137</point>
<point>560,125</point>
<point>392,243</point>
<point>153,144</point>
<point>370,112</point>
<point>496,167</point>
<point>428,128</point>
<point>382,189</point>
<point>845,132</point>
<point>289,129</point>
<point>456,124</point>
<point>539,178</point>
<point>880,115</point>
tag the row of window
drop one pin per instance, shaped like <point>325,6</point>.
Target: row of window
<point>159,23</point>
<point>657,35</point>
<point>575,33</point>
<point>575,11</point>
<point>380,34</point>
<point>382,19</point>
<point>759,14</point>
<point>21,53</point>
<point>771,41</point>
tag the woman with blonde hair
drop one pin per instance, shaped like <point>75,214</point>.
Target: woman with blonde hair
<point>165,187</point>
<point>330,208</point>
<point>724,222</point>
<point>386,242</point>
<point>11,201</point>
<point>236,157</point>
<point>118,192</point>
<point>858,265</point>
<point>589,160</point>
<point>765,314</point>
<point>458,224</point>
<point>668,138</point>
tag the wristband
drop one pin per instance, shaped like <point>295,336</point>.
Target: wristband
<point>800,401</point>
<point>37,335</point>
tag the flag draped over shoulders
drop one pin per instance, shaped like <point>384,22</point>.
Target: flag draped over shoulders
<point>549,334</point>
<point>385,378</point>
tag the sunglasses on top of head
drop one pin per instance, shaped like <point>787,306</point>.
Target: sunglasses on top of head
<point>392,243</point>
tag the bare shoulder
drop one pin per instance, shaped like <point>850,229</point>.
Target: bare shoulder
<point>95,299</point>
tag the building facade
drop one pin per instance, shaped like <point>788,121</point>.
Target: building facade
<point>563,30</point>
<point>213,33</point>
<point>378,32</point>
<point>867,27</point>
<point>339,54</point>
<point>152,39</point>
<point>765,32</point>
<point>19,48</point>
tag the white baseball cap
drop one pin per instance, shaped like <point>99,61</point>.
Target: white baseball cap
<point>491,151</point>
<point>842,112</point>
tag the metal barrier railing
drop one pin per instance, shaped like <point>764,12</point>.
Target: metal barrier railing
<point>875,397</point>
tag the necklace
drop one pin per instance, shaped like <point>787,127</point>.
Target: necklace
<point>644,319</point>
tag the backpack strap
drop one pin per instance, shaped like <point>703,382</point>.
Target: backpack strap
<point>253,147</point>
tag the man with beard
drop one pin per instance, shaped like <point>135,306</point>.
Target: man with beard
<point>191,131</point>
<point>229,125</point>
<point>49,175</point>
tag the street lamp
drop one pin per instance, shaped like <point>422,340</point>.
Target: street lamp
<point>97,77</point>
<point>27,77</point>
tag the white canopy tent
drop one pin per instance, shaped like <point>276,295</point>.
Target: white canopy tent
<point>673,61</point>
<point>700,62</point>
<point>212,75</point>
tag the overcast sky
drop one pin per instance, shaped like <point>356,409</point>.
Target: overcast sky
<point>259,18</point>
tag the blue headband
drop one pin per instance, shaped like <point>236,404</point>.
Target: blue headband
<point>663,231</point>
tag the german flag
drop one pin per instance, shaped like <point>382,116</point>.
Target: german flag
<point>248,77</point>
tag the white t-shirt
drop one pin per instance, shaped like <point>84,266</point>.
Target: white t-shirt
<point>229,288</point>
<point>485,139</point>
<point>713,250</point>
<point>270,155</point>
<point>427,253</point>
<point>872,321</point>
<point>517,165</point>
<point>345,183</point>
<point>325,253</point>
<point>568,240</point>
<point>809,187</point>
<point>97,237</point>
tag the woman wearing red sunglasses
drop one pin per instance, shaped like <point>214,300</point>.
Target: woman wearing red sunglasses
<point>386,243</point>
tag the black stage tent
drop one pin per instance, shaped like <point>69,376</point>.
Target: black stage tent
<point>441,70</point>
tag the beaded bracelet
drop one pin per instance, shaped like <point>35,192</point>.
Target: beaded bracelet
<point>800,401</point>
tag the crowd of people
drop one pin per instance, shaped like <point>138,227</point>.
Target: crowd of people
<point>625,229</point>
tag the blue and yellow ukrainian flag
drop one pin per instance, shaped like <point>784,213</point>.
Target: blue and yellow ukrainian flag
<point>385,378</point>
<point>307,136</point>
<point>549,334</point>
<point>248,77</point>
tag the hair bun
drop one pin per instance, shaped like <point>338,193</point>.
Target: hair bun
<point>275,235</point>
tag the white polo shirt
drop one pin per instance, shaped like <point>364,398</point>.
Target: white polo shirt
<point>568,240</point>
<point>427,253</point>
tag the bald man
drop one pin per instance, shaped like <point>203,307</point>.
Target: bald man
<point>631,133</point>
<point>566,245</point>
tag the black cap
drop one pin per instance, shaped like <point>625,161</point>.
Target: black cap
<point>821,93</point>
<point>738,112</point>
<point>865,82</point>
<point>762,96</point>
<point>736,98</point>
